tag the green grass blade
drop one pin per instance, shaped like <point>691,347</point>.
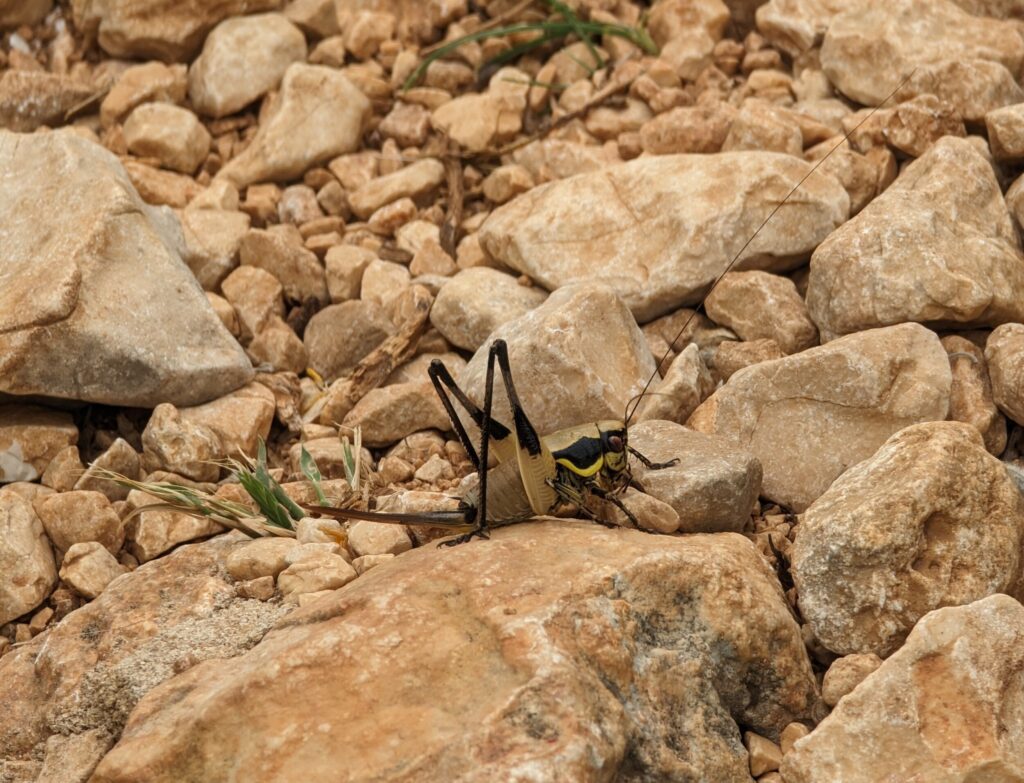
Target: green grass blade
<point>312,472</point>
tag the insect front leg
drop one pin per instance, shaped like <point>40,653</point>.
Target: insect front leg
<point>653,465</point>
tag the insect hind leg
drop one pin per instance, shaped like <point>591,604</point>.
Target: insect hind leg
<point>445,383</point>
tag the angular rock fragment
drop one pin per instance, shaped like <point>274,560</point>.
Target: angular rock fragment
<point>30,437</point>
<point>26,560</point>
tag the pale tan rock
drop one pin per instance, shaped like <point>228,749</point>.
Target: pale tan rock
<point>384,283</point>
<point>845,674</point>
<point>153,81</point>
<point>390,218</point>
<point>1003,351</point>
<point>121,458</point>
<point>971,399</point>
<point>435,470</point>
<point>259,558</point>
<point>366,31</point>
<point>377,538</point>
<point>941,708</point>
<point>88,568</point>
<point>149,28</point>
<point>1006,133</point>
<point>325,571</point>
<point>660,259</point>
<point>911,127</point>
<point>685,385</point>
<point>583,336</point>
<point>212,240</point>
<point>14,13</point>
<point>30,437</point>
<point>478,121</point>
<point>83,334</point>
<point>407,123</point>
<point>160,187</point>
<point>259,589</point>
<point>759,305</point>
<point>552,158</point>
<point>87,673</point>
<point>257,297</point>
<point>366,562</point>
<point>318,115</point>
<point>73,758</point>
<point>760,125</point>
<point>866,51</point>
<point>239,420</point>
<point>561,658</point>
<point>63,470</point>
<point>412,181</point>
<point>507,181</point>
<point>797,26</point>
<point>171,134</point>
<point>152,533</point>
<point>793,732</point>
<point>431,259</point>
<point>356,169</point>
<point>964,266</point>
<point>972,87</point>
<point>731,356</point>
<point>327,451</point>
<point>687,129</point>
<point>858,174</point>
<point>765,755</point>
<point>344,266</point>
<point>389,413</point>
<point>316,18</point>
<point>712,488</point>
<point>29,99</point>
<point>310,530</point>
<point>810,416</point>
<point>300,272</point>
<point>78,517</point>
<point>173,442</point>
<point>298,205</point>
<point>279,346</point>
<point>932,519</point>
<point>340,335</point>
<point>242,59</point>
<point>476,301</point>
<point>26,559</point>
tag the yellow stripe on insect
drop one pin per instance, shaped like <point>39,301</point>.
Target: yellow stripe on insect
<point>586,472</point>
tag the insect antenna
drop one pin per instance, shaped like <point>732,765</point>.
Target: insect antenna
<point>671,346</point>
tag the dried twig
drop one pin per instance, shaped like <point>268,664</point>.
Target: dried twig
<point>456,197</point>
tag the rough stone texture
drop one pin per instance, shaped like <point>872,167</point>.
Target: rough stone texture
<point>760,125</point>
<point>971,399</point>
<point>1006,133</point>
<point>171,134</point>
<point>796,26</point>
<point>319,572</point>
<point>14,13</point>
<point>932,519</point>
<point>810,416</point>
<point>29,99</point>
<point>175,443</point>
<point>688,129</point>
<point>972,88</point>
<point>478,121</point>
<point>80,317</point>
<point>26,560</point>
<point>555,684</point>
<point>76,517</point>
<point>713,487</point>
<point>667,226</point>
<point>867,51</point>
<point>388,414</point>
<point>339,336</point>
<point>88,567</point>
<point>414,180</point>
<point>30,437</point>
<point>87,673</point>
<point>155,28</point>
<point>242,59</point>
<point>731,356</point>
<point>121,458</point>
<point>377,538</point>
<point>964,266</point>
<point>1004,353</point>
<point>141,84</point>
<point>259,558</point>
<point>152,533</point>
<point>759,305</point>
<point>318,115</point>
<point>238,420</point>
<point>686,384</point>
<point>845,674</point>
<point>300,272</point>
<point>478,300</point>
<point>212,240</point>
<point>577,358</point>
<point>944,708</point>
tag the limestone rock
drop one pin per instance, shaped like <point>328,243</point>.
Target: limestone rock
<point>1004,351</point>
<point>964,266</point>
<point>932,519</point>
<point>26,560</point>
<point>478,121</point>
<point>300,272</point>
<point>212,240</point>
<point>29,99</point>
<point>14,13</point>
<point>416,179</point>
<point>78,517</point>
<point>30,437</point>
<point>551,158</point>
<point>731,356</point>
<point>88,567</point>
<point>171,134</point>
<point>325,571</point>
<point>389,413</point>
<point>260,557</point>
<point>318,115</point>
<point>555,679</point>
<point>161,187</point>
<point>810,416</point>
<point>713,487</point>
<point>343,267</point>
<point>688,129</point>
<point>577,358</point>
<point>867,50</point>
<point>377,538</point>
<point>973,87</point>
<point>103,327</point>
<point>797,26</point>
<point>340,335</point>
<point>174,443</point>
<point>944,707</point>
<point>87,673</point>
<point>971,399</point>
<point>121,458</point>
<point>478,300</point>
<point>141,84</point>
<point>759,305</point>
<point>1006,133</point>
<point>760,125</point>
<point>152,28</point>
<point>256,295</point>
<point>242,59</point>
<point>239,420</point>
<point>845,674</point>
<point>661,229</point>
<point>686,384</point>
<point>152,533</point>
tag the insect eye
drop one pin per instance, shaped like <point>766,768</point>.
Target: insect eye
<point>615,443</point>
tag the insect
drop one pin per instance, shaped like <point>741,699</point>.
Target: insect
<point>534,474</point>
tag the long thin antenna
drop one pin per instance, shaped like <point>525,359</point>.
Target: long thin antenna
<point>846,137</point>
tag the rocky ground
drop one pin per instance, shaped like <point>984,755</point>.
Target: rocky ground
<point>255,220</point>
